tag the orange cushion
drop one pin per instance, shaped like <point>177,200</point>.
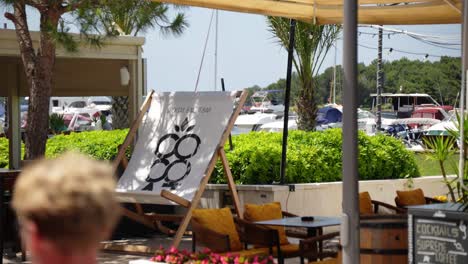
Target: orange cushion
<point>263,212</point>
<point>221,221</point>
<point>365,203</point>
<point>413,197</point>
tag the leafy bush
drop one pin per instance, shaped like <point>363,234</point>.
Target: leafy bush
<point>57,123</point>
<point>102,145</point>
<point>3,152</point>
<point>313,157</point>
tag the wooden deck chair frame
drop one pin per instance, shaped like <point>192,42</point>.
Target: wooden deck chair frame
<point>150,220</point>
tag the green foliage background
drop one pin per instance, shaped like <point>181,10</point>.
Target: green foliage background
<point>312,156</point>
<point>440,79</point>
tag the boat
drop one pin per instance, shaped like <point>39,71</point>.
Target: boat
<point>252,122</point>
<point>328,117</point>
<point>403,105</point>
<point>277,126</point>
<point>267,101</point>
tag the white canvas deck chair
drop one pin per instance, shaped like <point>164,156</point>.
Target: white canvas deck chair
<point>181,135</point>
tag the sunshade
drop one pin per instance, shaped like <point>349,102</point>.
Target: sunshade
<point>398,12</point>
<point>356,12</point>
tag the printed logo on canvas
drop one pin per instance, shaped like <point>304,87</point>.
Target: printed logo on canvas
<point>173,153</point>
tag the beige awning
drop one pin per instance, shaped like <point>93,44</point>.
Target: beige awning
<point>402,12</point>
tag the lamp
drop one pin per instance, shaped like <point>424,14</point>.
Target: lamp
<point>124,76</point>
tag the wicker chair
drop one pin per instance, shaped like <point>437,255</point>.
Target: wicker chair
<point>266,240</point>
<point>412,197</point>
<point>367,206</point>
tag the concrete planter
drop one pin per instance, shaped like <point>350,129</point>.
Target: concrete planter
<point>317,198</point>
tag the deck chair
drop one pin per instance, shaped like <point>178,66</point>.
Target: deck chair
<point>181,135</point>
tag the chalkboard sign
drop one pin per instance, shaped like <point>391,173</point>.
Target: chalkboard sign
<point>437,236</point>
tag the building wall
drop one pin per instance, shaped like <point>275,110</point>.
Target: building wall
<point>74,77</point>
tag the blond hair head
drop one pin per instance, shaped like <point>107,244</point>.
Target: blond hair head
<point>70,199</point>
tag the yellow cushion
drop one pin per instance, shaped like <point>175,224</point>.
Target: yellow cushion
<point>263,212</point>
<point>221,221</point>
<point>248,253</point>
<point>365,203</point>
<point>413,197</point>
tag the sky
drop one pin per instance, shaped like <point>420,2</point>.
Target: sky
<point>248,54</point>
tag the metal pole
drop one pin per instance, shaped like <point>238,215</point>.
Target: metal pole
<point>463,94</point>
<point>350,222</point>
<point>379,81</point>
<point>334,77</point>
<point>223,88</point>
<point>292,35</point>
<point>216,53</point>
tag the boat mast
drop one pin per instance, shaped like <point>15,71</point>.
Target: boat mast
<point>334,77</point>
<point>216,53</point>
<point>379,81</point>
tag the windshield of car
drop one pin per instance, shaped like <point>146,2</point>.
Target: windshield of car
<point>101,102</point>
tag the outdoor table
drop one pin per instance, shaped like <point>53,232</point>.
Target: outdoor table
<point>311,226</point>
<point>314,227</point>
<point>7,178</point>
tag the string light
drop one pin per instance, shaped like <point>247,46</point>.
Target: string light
<point>390,50</point>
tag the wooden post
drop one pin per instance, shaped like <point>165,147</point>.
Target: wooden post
<point>231,183</point>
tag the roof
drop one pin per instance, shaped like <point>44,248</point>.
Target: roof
<point>122,47</point>
<point>396,12</point>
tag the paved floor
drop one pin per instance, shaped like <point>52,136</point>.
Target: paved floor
<point>117,258</point>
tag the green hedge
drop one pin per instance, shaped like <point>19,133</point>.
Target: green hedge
<point>314,157</point>
<point>102,145</point>
<point>3,152</point>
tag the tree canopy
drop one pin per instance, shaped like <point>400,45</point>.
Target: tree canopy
<point>440,79</point>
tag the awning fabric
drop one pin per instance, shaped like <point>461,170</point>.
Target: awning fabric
<point>380,12</point>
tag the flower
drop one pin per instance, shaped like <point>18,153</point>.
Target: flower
<point>174,256</point>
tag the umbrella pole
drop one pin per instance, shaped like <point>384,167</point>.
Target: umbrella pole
<point>350,222</point>
<point>463,96</point>
<point>292,36</point>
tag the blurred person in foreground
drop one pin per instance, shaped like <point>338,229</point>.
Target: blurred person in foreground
<point>65,207</point>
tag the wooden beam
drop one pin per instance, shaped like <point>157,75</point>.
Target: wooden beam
<point>231,183</point>
<point>136,249</point>
<point>175,198</point>
<point>133,129</point>
<point>140,218</point>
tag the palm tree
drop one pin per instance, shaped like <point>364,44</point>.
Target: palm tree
<point>312,44</point>
<point>130,17</point>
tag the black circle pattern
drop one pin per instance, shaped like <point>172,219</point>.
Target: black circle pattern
<point>180,159</point>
